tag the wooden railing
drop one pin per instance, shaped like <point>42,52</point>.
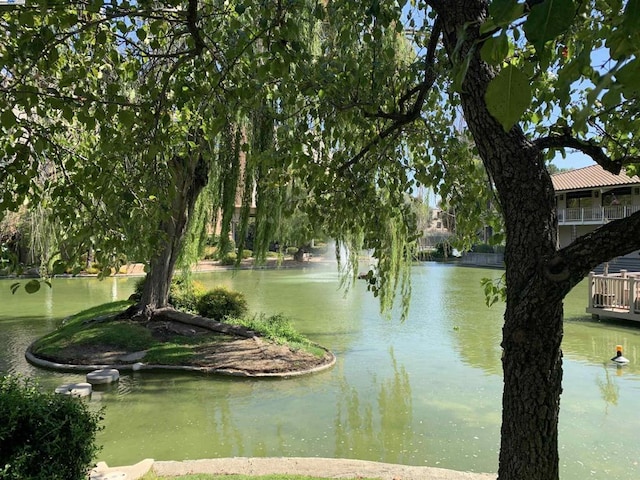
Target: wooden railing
<point>595,214</point>
<point>619,291</point>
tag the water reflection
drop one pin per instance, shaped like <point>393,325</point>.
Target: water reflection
<point>609,389</point>
<point>426,391</point>
<point>381,421</point>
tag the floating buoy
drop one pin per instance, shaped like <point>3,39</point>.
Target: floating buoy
<point>74,389</point>
<point>105,375</point>
<point>619,359</point>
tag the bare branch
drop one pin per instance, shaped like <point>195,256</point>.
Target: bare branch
<point>572,263</point>
<point>596,152</point>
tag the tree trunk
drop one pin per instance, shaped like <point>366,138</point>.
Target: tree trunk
<point>189,175</point>
<point>532,331</point>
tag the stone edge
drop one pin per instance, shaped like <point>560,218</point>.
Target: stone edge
<point>40,362</point>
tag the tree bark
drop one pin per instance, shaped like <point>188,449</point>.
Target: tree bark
<point>532,332</point>
<point>189,177</point>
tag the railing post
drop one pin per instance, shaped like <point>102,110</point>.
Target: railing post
<point>624,294</point>
<point>632,295</point>
<point>591,293</point>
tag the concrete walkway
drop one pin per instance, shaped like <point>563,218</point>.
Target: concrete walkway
<point>317,467</point>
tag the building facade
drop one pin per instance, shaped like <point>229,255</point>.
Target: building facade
<point>589,197</point>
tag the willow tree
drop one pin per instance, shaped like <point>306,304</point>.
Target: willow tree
<point>135,109</point>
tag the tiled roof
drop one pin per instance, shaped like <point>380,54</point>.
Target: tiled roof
<point>590,177</point>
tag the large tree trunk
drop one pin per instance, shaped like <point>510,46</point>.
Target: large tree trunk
<point>189,177</point>
<point>532,333</point>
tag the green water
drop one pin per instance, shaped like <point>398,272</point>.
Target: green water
<point>423,392</point>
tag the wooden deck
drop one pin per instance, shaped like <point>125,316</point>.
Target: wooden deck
<point>615,295</point>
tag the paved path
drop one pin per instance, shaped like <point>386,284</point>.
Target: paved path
<point>318,467</point>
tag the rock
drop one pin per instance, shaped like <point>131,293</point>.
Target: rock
<point>105,375</point>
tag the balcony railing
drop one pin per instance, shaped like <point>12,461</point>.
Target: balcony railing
<point>615,295</point>
<point>595,215</point>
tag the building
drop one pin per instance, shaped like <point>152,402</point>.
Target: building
<point>589,197</point>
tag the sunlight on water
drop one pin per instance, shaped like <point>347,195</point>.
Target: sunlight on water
<point>425,391</point>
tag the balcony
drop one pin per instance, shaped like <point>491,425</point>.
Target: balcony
<point>594,215</point>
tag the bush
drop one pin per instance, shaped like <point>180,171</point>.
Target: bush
<point>275,327</point>
<point>221,303</point>
<point>292,250</point>
<point>229,259</point>
<point>183,293</point>
<point>44,435</point>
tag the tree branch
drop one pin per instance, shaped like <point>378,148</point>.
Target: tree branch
<point>572,263</point>
<point>402,118</point>
<point>192,26</point>
<point>587,147</point>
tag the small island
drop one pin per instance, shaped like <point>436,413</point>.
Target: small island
<point>227,341</point>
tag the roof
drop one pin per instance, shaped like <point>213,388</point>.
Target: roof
<point>590,177</point>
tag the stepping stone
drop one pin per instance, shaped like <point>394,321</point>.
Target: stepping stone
<point>74,389</point>
<point>105,375</point>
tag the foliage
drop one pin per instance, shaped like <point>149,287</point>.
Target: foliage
<point>494,290</point>
<point>184,292</point>
<point>44,435</point>
<point>221,303</point>
<point>274,327</point>
<point>292,250</point>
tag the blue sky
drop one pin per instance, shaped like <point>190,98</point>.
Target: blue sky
<point>573,160</point>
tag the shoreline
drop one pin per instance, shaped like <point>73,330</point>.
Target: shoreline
<point>309,466</point>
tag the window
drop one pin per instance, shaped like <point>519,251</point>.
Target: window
<point>617,196</point>
<point>580,199</point>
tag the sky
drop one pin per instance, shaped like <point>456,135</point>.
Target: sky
<point>573,160</point>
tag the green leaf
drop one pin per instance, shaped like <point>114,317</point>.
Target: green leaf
<point>58,267</point>
<point>126,117</point>
<point>14,287</point>
<point>628,78</point>
<point>7,118</point>
<point>32,286</point>
<point>503,12</point>
<point>508,96</point>
<point>495,49</point>
<point>547,20</point>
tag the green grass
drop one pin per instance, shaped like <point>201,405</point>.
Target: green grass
<point>278,329</point>
<point>96,326</point>
<point>99,326</point>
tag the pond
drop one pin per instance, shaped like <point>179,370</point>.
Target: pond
<point>425,391</point>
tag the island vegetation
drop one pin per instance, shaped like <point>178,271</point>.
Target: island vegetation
<point>209,332</point>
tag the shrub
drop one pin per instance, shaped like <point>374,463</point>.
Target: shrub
<point>292,250</point>
<point>229,259</point>
<point>183,293</point>
<point>44,435</point>
<point>221,303</point>
<point>275,327</point>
